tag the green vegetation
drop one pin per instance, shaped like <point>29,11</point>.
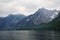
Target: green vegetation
<point>53,25</point>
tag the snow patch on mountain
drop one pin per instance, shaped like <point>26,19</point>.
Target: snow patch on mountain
<point>54,15</point>
<point>44,16</point>
<point>27,19</point>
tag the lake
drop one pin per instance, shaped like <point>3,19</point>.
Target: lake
<point>30,35</point>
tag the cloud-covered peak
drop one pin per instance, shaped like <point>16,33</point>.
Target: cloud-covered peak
<point>26,7</point>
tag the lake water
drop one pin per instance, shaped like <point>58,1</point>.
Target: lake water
<point>29,35</point>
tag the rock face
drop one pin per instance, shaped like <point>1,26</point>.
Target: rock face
<point>10,21</point>
<point>40,17</point>
<point>44,16</point>
<point>14,19</point>
<point>21,22</point>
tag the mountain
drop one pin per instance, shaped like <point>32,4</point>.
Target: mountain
<point>53,25</point>
<point>42,16</point>
<point>10,21</point>
<point>56,22</point>
<point>41,19</point>
<point>2,23</point>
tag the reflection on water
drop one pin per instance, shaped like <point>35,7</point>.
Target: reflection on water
<point>29,35</point>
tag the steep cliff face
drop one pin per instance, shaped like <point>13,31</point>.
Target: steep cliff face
<point>44,16</point>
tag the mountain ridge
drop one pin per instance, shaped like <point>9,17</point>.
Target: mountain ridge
<point>37,20</point>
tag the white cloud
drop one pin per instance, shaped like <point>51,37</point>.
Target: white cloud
<point>26,7</point>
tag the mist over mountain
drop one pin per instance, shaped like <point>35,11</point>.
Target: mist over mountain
<point>40,17</point>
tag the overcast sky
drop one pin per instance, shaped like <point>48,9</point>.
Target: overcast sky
<point>26,7</point>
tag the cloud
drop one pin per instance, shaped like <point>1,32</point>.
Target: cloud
<point>26,7</point>
<point>52,4</point>
<point>5,1</point>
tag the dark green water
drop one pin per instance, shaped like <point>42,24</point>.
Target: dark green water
<point>29,35</point>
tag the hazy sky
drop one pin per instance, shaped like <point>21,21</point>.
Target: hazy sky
<point>26,7</point>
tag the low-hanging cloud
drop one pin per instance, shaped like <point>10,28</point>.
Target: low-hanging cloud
<point>26,7</point>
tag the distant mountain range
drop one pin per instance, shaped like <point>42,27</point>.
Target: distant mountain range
<point>10,20</point>
<point>41,19</point>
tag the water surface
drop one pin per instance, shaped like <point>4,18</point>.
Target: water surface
<point>29,35</point>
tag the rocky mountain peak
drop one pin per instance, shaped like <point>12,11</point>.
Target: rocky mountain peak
<point>44,16</point>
